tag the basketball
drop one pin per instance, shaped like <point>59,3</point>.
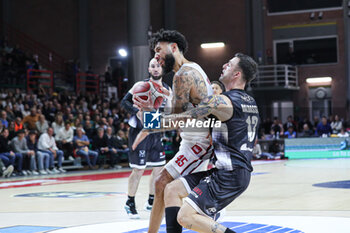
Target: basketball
<point>157,94</point>
<point>141,90</point>
<point>145,89</point>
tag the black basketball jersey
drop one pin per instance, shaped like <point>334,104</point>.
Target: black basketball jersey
<point>234,140</point>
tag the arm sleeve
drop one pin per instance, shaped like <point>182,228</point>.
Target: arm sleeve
<point>127,104</point>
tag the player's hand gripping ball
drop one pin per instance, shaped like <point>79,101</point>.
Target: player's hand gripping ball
<point>149,95</point>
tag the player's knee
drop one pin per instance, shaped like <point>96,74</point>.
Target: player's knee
<point>170,191</point>
<point>160,184</point>
<point>138,172</point>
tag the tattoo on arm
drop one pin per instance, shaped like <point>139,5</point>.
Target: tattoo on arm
<point>216,227</point>
<point>182,84</point>
<point>207,106</point>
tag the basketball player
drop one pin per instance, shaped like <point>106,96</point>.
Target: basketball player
<point>150,152</point>
<point>190,86</point>
<point>208,192</point>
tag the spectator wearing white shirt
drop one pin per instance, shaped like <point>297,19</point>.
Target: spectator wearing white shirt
<point>47,144</point>
<point>336,125</point>
<point>41,124</point>
<point>64,139</point>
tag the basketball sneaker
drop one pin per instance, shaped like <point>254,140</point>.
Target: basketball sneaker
<point>147,207</point>
<point>131,211</point>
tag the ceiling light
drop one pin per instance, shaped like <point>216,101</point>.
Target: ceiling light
<point>319,80</point>
<point>212,45</point>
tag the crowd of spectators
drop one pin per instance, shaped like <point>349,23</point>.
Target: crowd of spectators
<point>331,126</point>
<point>39,129</point>
<point>14,63</point>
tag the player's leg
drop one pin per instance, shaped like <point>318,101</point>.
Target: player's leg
<point>158,206</point>
<point>173,195</point>
<point>155,173</point>
<point>189,218</point>
<point>133,184</point>
<point>138,164</point>
<point>155,159</point>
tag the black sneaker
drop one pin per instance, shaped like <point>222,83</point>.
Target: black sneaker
<point>131,211</point>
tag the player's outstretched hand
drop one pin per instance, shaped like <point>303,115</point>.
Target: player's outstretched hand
<point>139,138</point>
<point>143,105</point>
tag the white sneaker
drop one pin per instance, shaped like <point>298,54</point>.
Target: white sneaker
<point>61,170</point>
<point>71,158</point>
<point>55,171</point>
<point>8,171</point>
<point>42,172</point>
<point>49,171</point>
<point>35,172</point>
<point>147,207</point>
<point>24,173</point>
<point>29,172</point>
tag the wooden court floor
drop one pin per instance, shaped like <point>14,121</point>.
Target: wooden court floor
<point>296,195</point>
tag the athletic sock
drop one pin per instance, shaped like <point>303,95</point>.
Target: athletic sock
<point>130,200</point>
<point>150,199</point>
<point>172,226</point>
<point>228,230</point>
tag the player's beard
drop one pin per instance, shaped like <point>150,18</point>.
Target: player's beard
<point>169,63</point>
<point>157,77</point>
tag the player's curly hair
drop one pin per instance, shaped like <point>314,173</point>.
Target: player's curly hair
<point>170,36</point>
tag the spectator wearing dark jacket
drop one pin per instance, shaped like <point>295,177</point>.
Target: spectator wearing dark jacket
<point>8,156</point>
<point>324,128</point>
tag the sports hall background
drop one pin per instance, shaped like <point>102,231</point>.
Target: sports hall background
<point>70,44</point>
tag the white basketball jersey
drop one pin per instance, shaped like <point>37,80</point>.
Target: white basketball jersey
<point>195,135</point>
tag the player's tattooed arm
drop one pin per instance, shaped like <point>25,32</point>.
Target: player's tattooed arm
<point>182,84</point>
<point>209,105</point>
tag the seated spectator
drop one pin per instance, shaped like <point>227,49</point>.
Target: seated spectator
<point>3,118</point>
<point>12,132</point>
<point>343,133</point>
<point>323,128</point>
<point>43,159</point>
<point>289,123</point>
<point>64,139</point>
<point>58,124</point>
<point>100,144</point>
<point>121,140</point>
<point>47,144</point>
<point>114,148</point>
<point>82,143</point>
<point>18,124</point>
<point>8,156</point>
<point>89,129</point>
<point>257,150</point>
<point>30,120</point>
<point>2,127</point>
<point>218,87</point>
<point>41,124</point>
<point>290,133</point>
<point>277,128</point>
<point>19,145</point>
<point>336,125</point>
<point>307,132</point>
<point>275,150</point>
<point>10,114</point>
